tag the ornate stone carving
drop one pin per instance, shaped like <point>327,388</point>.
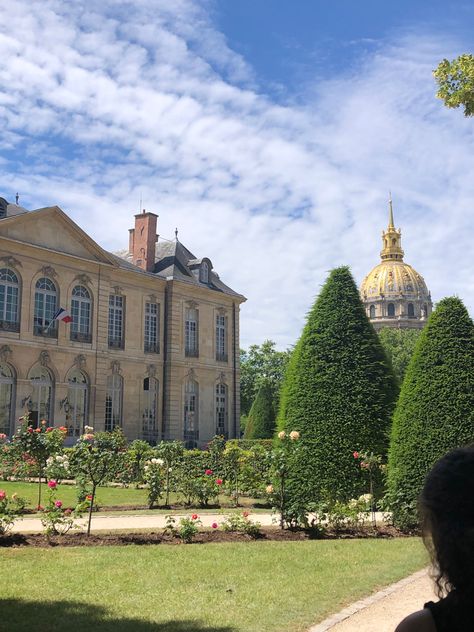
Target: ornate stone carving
<point>152,298</point>
<point>44,358</point>
<point>151,370</point>
<point>83,279</point>
<point>115,366</point>
<point>80,361</point>
<point>221,311</point>
<point>192,304</point>
<point>191,375</point>
<point>11,262</point>
<point>5,353</point>
<point>48,271</point>
<point>221,379</point>
<point>117,289</point>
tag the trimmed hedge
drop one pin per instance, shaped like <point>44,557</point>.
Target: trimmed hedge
<point>339,392</point>
<point>261,418</point>
<point>248,444</point>
<point>435,412</point>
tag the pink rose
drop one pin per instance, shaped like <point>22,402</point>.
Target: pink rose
<point>52,484</point>
<point>2,494</point>
<point>58,504</point>
<point>245,514</point>
<point>355,455</point>
<point>218,481</point>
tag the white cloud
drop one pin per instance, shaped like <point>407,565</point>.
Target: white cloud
<point>104,105</point>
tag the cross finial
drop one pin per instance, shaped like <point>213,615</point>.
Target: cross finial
<point>390,215</point>
<point>17,198</point>
<point>176,234</point>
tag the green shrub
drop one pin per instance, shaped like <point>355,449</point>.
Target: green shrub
<point>435,412</point>
<point>339,392</point>
<point>261,419</point>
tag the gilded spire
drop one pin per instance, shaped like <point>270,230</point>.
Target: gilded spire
<point>391,238</point>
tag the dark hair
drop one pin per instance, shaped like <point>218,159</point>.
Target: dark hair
<point>447,511</point>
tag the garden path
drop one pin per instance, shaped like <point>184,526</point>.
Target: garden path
<point>382,611</point>
<point>126,522</point>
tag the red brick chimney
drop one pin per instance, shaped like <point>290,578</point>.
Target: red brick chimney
<point>143,239</point>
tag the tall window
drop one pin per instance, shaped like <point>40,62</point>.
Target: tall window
<point>191,333</point>
<point>9,300</point>
<point>46,304</point>
<point>113,402</point>
<point>391,310</point>
<point>221,410</point>
<point>41,405</point>
<point>372,311</point>
<point>150,409</point>
<point>7,385</point>
<point>411,310</point>
<point>221,338</point>
<point>191,413</point>
<point>116,321</point>
<point>152,328</point>
<point>77,404</point>
<point>81,314</point>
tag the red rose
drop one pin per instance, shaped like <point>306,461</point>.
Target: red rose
<point>58,504</point>
<point>49,429</point>
<point>245,514</point>
<point>52,484</point>
<point>89,497</point>
<point>218,481</point>
<point>356,455</point>
<point>29,429</point>
<point>209,472</point>
<point>194,517</point>
<point>214,525</point>
<point>37,429</point>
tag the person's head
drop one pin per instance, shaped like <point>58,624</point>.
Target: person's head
<point>447,511</point>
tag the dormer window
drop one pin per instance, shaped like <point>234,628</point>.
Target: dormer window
<point>204,272</point>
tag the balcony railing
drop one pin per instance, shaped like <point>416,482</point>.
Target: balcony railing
<point>221,357</point>
<point>79,336</point>
<point>152,347</point>
<point>45,331</point>
<point>5,325</point>
<point>116,343</point>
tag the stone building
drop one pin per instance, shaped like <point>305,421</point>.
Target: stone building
<point>394,294</point>
<point>153,346</point>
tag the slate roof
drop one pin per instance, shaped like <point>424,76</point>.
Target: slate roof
<point>173,261</point>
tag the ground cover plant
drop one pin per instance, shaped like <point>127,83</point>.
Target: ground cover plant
<point>257,586</point>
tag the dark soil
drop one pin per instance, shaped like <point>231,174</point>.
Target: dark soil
<point>15,540</point>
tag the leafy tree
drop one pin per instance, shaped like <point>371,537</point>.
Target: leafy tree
<point>455,81</point>
<point>399,345</point>
<point>435,411</point>
<point>261,418</point>
<point>339,392</point>
<point>261,363</point>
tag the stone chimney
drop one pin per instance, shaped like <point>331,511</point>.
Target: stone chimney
<point>142,241</point>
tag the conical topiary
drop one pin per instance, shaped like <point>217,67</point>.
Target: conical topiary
<point>261,419</point>
<point>435,411</point>
<point>339,392</point>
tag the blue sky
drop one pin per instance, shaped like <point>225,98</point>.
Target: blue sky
<point>269,132</point>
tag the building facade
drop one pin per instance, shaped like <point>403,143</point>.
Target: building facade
<point>153,345</point>
<point>394,294</point>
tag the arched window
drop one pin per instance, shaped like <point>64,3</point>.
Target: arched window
<point>7,390</point>
<point>394,241</point>
<point>150,409</point>
<point>46,302</point>
<point>391,310</point>
<point>204,272</point>
<point>221,410</point>
<point>9,300</point>
<point>77,404</point>
<point>81,305</point>
<point>372,311</point>
<point>113,402</point>
<point>411,310</point>
<point>191,413</point>
<point>41,404</point>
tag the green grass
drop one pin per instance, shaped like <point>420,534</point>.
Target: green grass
<point>106,496</point>
<point>254,587</point>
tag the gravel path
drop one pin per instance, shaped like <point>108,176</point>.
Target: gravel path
<point>382,611</point>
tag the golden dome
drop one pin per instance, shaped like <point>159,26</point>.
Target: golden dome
<point>392,278</point>
<point>393,293</point>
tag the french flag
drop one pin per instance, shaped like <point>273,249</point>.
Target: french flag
<point>63,314</point>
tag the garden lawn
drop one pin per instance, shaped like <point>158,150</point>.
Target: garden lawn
<point>249,587</point>
<point>106,496</point>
